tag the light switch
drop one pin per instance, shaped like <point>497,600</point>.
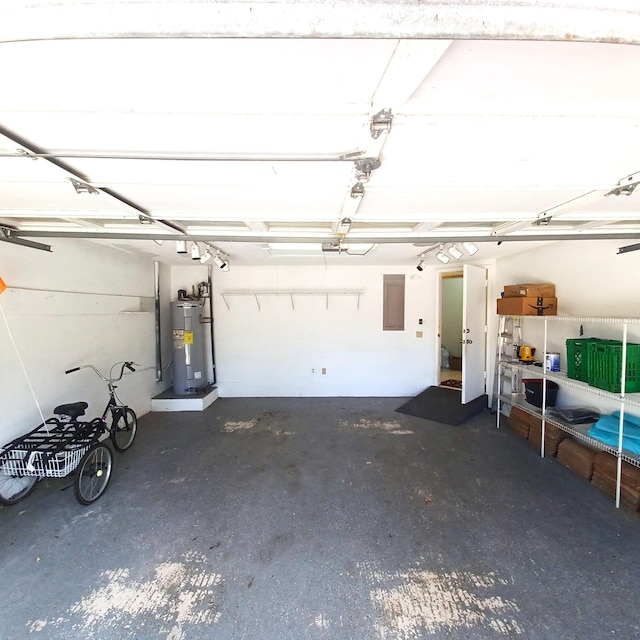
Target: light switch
<point>418,334</point>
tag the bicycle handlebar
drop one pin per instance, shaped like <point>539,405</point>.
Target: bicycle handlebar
<point>128,365</point>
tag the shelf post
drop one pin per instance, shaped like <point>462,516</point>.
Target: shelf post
<point>623,384</point>
<point>543,423</point>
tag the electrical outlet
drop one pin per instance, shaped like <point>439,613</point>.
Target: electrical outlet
<point>313,370</point>
<point>324,371</point>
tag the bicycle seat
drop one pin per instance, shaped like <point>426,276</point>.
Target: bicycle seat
<point>73,410</point>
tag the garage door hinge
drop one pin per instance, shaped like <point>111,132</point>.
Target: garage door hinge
<point>381,122</point>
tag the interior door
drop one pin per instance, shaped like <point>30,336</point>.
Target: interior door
<point>474,320</point>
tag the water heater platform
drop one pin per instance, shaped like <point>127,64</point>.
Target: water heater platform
<point>170,401</point>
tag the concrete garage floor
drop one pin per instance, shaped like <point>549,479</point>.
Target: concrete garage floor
<point>322,518</point>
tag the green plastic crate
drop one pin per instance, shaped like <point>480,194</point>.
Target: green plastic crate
<point>578,357</point>
<point>605,366</point>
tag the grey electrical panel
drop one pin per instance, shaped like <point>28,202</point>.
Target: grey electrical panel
<point>188,347</point>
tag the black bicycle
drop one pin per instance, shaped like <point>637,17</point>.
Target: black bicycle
<point>120,420</point>
<point>65,443</point>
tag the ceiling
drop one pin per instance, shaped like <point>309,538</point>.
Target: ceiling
<point>260,146</point>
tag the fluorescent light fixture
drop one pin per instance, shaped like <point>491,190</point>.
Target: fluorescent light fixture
<point>181,246</point>
<point>422,264</point>
<point>470,248</point>
<point>442,256</point>
<point>454,252</point>
<point>206,256</point>
<point>195,251</point>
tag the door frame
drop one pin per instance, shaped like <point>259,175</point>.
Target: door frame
<point>448,272</point>
<point>442,274</point>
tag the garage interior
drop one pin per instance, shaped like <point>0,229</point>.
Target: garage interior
<point>283,167</point>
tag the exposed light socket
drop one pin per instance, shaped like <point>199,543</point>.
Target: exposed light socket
<point>324,371</point>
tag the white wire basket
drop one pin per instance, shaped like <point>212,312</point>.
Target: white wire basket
<point>36,463</point>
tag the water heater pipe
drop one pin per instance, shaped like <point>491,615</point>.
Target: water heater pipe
<point>213,351</point>
<point>156,291</point>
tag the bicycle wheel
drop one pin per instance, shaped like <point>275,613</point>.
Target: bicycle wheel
<point>93,474</point>
<point>124,425</point>
<point>14,486</point>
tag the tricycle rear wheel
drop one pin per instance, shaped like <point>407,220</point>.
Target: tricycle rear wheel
<point>93,474</point>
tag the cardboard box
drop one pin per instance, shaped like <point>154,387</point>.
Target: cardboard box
<point>605,470</point>
<point>520,415</point>
<point>552,437</point>
<point>545,290</point>
<point>528,306</point>
<point>577,457</point>
<point>518,422</point>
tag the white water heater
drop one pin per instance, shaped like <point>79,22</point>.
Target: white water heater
<point>188,347</point>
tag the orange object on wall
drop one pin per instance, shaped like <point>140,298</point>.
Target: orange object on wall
<point>3,286</point>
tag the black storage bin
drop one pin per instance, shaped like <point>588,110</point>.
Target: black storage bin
<point>533,392</point>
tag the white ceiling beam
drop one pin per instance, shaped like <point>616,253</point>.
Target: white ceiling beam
<point>590,20</point>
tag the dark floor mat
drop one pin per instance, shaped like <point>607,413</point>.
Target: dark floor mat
<point>443,405</point>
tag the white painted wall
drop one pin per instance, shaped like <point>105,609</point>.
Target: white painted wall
<point>266,352</point>
<point>55,331</point>
<point>592,280</point>
<point>278,350</point>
